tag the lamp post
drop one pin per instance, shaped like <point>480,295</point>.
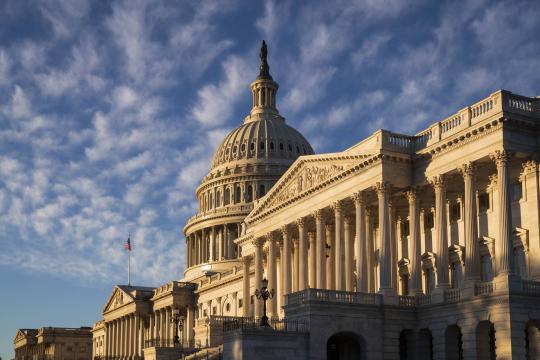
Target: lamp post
<point>264,294</point>
<point>175,320</point>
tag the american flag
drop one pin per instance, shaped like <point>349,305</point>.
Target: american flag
<point>127,244</point>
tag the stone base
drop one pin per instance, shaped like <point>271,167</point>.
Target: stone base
<point>162,353</point>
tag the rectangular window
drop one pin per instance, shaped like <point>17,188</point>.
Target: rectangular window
<point>428,221</point>
<point>214,310</point>
<point>483,202</point>
<point>517,191</point>
<point>240,303</point>
<point>455,212</point>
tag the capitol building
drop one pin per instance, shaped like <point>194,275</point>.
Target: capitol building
<point>422,246</point>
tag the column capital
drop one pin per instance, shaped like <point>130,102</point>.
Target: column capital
<point>412,195</point>
<point>347,220</point>
<point>284,230</point>
<point>270,236</point>
<point>529,167</point>
<point>438,182</point>
<point>258,242</point>
<point>337,206</point>
<point>382,187</point>
<point>358,198</point>
<point>301,222</point>
<point>311,236</point>
<point>329,227</point>
<point>492,183</point>
<point>500,157</point>
<point>467,170</point>
<point>318,214</point>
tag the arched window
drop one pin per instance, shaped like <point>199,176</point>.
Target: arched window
<point>218,198</point>
<point>252,146</point>
<point>262,145</point>
<point>271,146</point>
<point>280,146</point>
<point>211,202</point>
<point>237,194</point>
<point>262,190</point>
<point>227,198</point>
<point>249,194</point>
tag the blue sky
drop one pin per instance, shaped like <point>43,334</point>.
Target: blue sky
<point>110,112</point>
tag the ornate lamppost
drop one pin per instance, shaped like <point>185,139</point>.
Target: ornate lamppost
<point>264,294</point>
<point>176,320</point>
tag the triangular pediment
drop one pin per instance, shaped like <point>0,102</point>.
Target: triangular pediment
<point>21,335</point>
<point>306,174</point>
<point>118,298</point>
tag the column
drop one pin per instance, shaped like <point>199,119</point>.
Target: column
<point>369,252</point>
<point>258,243</point>
<point>122,337</point>
<point>220,245</point>
<point>321,249</point>
<point>167,322</point>
<point>272,274</point>
<point>190,324</point>
<point>441,230</point>
<point>330,261</point>
<point>338,229</point>
<point>382,189</point>
<point>188,255</point>
<point>472,261</point>
<point>279,280</point>
<point>151,326</point>
<point>393,245</point>
<point>296,269</point>
<point>302,255</point>
<point>231,244</point>
<point>312,260</point>
<point>113,338</point>
<point>196,258</point>
<point>414,231</point>
<point>505,249</point>
<point>246,296</point>
<point>137,335</point>
<point>286,258</point>
<point>348,253</point>
<point>360,242</point>
<point>213,243</point>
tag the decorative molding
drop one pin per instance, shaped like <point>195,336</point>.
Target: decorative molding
<point>501,157</point>
<point>467,170</point>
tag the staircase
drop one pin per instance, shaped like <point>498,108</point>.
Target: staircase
<point>213,353</point>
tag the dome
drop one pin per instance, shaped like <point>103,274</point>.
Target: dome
<point>267,137</point>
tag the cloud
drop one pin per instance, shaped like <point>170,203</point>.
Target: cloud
<point>369,49</point>
<point>215,102</point>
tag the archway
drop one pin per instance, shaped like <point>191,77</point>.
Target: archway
<point>344,346</point>
<point>485,340</point>
<point>532,337</point>
<point>453,343</point>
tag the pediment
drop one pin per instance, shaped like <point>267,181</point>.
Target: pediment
<point>305,175</point>
<point>21,335</point>
<point>117,299</point>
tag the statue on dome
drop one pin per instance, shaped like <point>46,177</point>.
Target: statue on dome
<point>264,68</point>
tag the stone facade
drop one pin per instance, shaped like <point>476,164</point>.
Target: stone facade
<point>53,343</point>
<point>402,246</point>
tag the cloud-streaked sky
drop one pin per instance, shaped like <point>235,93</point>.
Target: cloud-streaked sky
<point>110,112</point>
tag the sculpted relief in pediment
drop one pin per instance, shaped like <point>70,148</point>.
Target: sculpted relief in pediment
<point>307,178</point>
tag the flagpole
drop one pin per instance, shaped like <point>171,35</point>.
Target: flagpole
<point>129,268</point>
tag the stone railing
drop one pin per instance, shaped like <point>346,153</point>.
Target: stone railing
<point>483,288</point>
<point>223,210</point>
<point>406,301</point>
<point>531,287</point>
<point>452,295</point>
<point>333,296</point>
<point>169,343</point>
<point>283,325</point>
<point>217,320</point>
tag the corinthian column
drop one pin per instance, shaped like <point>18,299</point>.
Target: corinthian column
<point>384,238</point>
<point>472,260</point>
<point>360,242</point>
<point>321,250</point>
<point>331,259</point>
<point>338,218</point>
<point>506,246</point>
<point>246,296</point>
<point>258,243</point>
<point>295,271</point>
<point>272,274</point>
<point>414,226</point>
<point>302,255</point>
<point>348,253</point>
<point>312,260</point>
<point>439,186</point>
<point>286,259</point>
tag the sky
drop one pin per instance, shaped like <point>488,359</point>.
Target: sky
<point>110,112</point>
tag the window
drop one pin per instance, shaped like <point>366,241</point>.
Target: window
<point>405,228</point>
<point>483,202</point>
<point>227,197</point>
<point>249,194</point>
<point>290,147</point>
<point>218,198</point>
<point>271,146</point>
<point>227,307</point>
<point>243,147</point>
<point>262,145</point>
<point>240,303</point>
<point>297,150</point>
<point>237,194</point>
<point>280,146</point>
<point>251,300</point>
<point>455,212</point>
<point>262,190</point>
<point>517,191</point>
<point>205,313</point>
<point>252,146</point>
<point>428,221</point>
<point>214,310</point>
